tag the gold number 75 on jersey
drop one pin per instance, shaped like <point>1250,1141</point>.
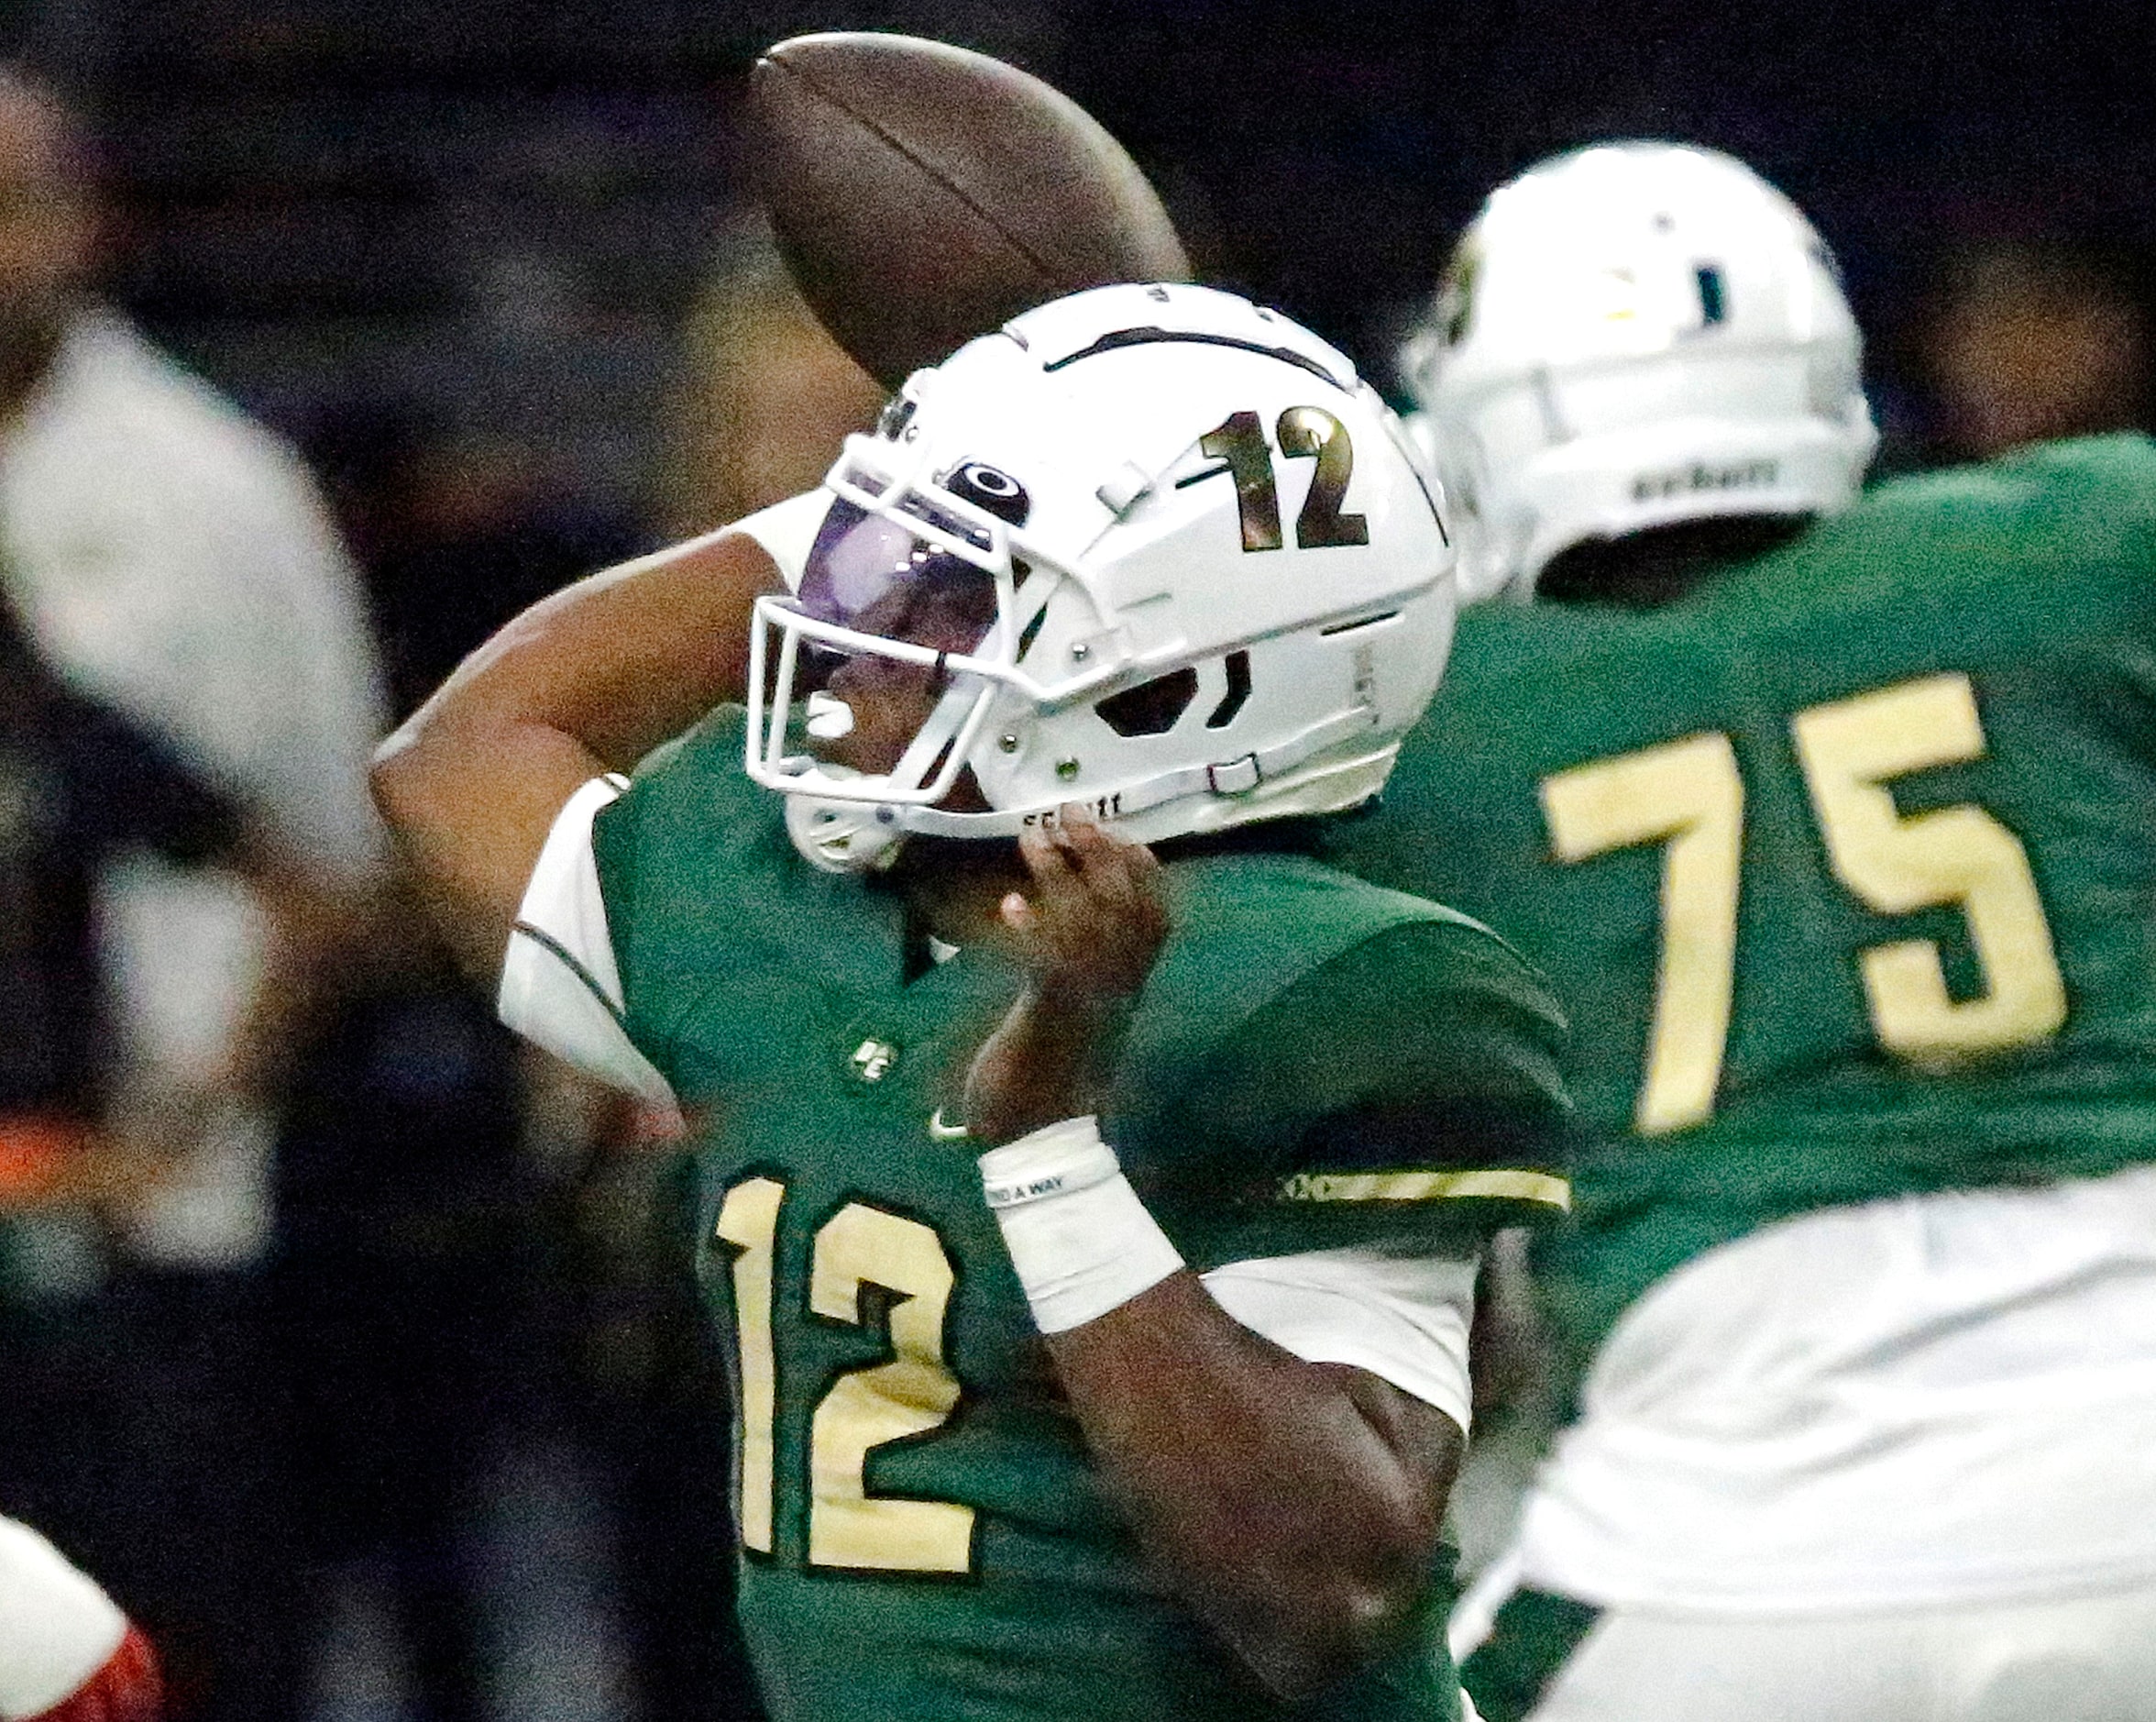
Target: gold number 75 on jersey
<point>911,1394</point>
<point>1690,796</point>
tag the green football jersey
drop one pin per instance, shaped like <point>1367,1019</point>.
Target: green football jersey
<point>1842,868</point>
<point>923,1533</point>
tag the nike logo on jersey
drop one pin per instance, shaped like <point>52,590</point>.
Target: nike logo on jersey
<point>941,1131</point>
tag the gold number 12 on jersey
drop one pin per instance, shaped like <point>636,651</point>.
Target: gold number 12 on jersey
<point>863,1409</point>
<point>1690,796</point>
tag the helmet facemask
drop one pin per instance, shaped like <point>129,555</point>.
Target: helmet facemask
<point>920,574</point>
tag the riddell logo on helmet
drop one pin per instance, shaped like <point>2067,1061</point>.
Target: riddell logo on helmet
<point>1651,487</point>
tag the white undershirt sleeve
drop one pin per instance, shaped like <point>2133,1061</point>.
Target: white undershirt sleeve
<point>787,531</point>
<point>1404,1317</point>
<point>561,987</point>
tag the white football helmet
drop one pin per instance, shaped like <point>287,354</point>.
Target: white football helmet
<point>1631,336</point>
<point>1211,585</point>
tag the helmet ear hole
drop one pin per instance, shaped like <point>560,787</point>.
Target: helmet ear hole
<point>1152,708</point>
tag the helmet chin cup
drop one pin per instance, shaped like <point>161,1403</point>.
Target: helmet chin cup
<point>841,837</point>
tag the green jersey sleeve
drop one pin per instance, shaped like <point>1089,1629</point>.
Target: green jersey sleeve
<point>1323,1064</point>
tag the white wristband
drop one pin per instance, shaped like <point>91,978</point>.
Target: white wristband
<point>1081,1241</point>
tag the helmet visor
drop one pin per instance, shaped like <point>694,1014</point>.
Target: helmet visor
<point>869,573</point>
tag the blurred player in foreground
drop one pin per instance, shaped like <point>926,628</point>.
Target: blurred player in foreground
<point>173,557</point>
<point>1843,854</point>
<point>1025,1431</point>
<point>67,1653</point>
<point>81,784</point>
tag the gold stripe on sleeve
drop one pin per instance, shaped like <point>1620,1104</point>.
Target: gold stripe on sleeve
<point>1427,1186</point>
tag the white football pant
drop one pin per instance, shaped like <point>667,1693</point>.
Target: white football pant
<point>2087,1658</point>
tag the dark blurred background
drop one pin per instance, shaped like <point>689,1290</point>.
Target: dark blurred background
<point>488,265</point>
<point>490,219</point>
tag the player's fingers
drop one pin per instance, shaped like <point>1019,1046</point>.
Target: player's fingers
<point>1044,858</point>
<point>1115,862</point>
<point>1085,837</point>
<point>1102,862</point>
<point>1142,876</point>
<point>1059,897</point>
<point>1066,829</point>
<point>1017,912</point>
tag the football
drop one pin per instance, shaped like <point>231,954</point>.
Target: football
<point>923,195</point>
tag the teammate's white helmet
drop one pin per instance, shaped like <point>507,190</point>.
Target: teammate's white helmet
<point>1631,335</point>
<point>1211,585</point>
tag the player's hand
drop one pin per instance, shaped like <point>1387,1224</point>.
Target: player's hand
<point>1087,935</point>
<point>1090,929</point>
